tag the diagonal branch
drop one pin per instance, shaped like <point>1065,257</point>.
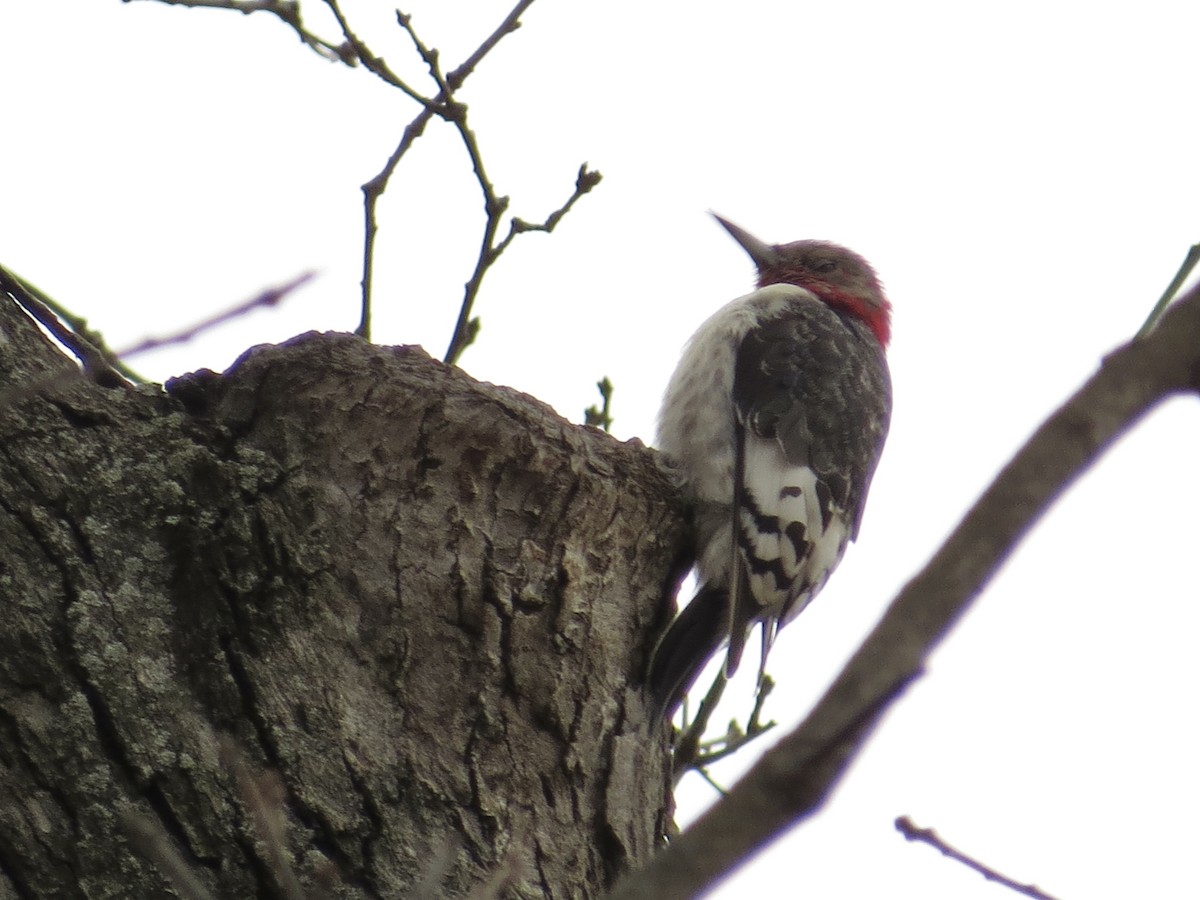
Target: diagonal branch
<point>510,24</point>
<point>1190,261</point>
<point>97,363</point>
<point>267,297</point>
<point>794,779</point>
<point>374,64</point>
<point>928,836</point>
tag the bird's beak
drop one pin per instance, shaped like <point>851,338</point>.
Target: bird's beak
<point>764,255</point>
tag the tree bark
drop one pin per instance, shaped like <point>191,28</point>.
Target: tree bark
<point>422,602</point>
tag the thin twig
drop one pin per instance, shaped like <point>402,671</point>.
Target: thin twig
<point>928,836</point>
<point>428,56</point>
<point>441,106</point>
<point>371,62</point>
<point>95,364</point>
<point>735,738</point>
<point>510,24</point>
<point>494,205</point>
<point>585,180</point>
<point>466,327</point>
<point>1189,263</point>
<point>693,752</point>
<point>372,191</point>
<point>766,684</point>
<point>687,746</point>
<point>444,106</point>
<point>79,325</point>
<point>288,12</point>
<point>269,297</point>
<point>712,782</point>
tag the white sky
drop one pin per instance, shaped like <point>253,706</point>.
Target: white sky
<point>1022,175</point>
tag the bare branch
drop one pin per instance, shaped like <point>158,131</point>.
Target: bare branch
<point>370,61</point>
<point>1190,260</point>
<point>288,12</point>
<point>442,105</point>
<point>266,298</point>
<point>79,325</point>
<point>372,191</point>
<point>510,24</point>
<point>693,752</point>
<point>490,251</point>
<point>584,182</point>
<point>687,744</point>
<point>96,364</point>
<point>12,395</point>
<point>428,56</point>
<point>928,836</point>
<point>735,738</point>
<point>447,108</point>
<point>794,779</point>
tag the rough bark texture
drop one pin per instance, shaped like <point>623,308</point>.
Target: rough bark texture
<point>424,602</point>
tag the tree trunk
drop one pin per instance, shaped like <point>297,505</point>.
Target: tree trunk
<point>420,604</point>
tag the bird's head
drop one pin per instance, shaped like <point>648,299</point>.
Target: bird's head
<point>840,277</point>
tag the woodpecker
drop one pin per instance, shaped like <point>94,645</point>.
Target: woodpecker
<point>774,421</point>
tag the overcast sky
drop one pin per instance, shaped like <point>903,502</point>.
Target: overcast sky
<point>1023,177</point>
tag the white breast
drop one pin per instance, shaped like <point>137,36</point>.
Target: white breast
<point>695,428</point>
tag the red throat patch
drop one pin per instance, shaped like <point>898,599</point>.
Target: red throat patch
<point>877,318</point>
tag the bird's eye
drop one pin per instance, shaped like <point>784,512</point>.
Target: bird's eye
<point>824,266</point>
